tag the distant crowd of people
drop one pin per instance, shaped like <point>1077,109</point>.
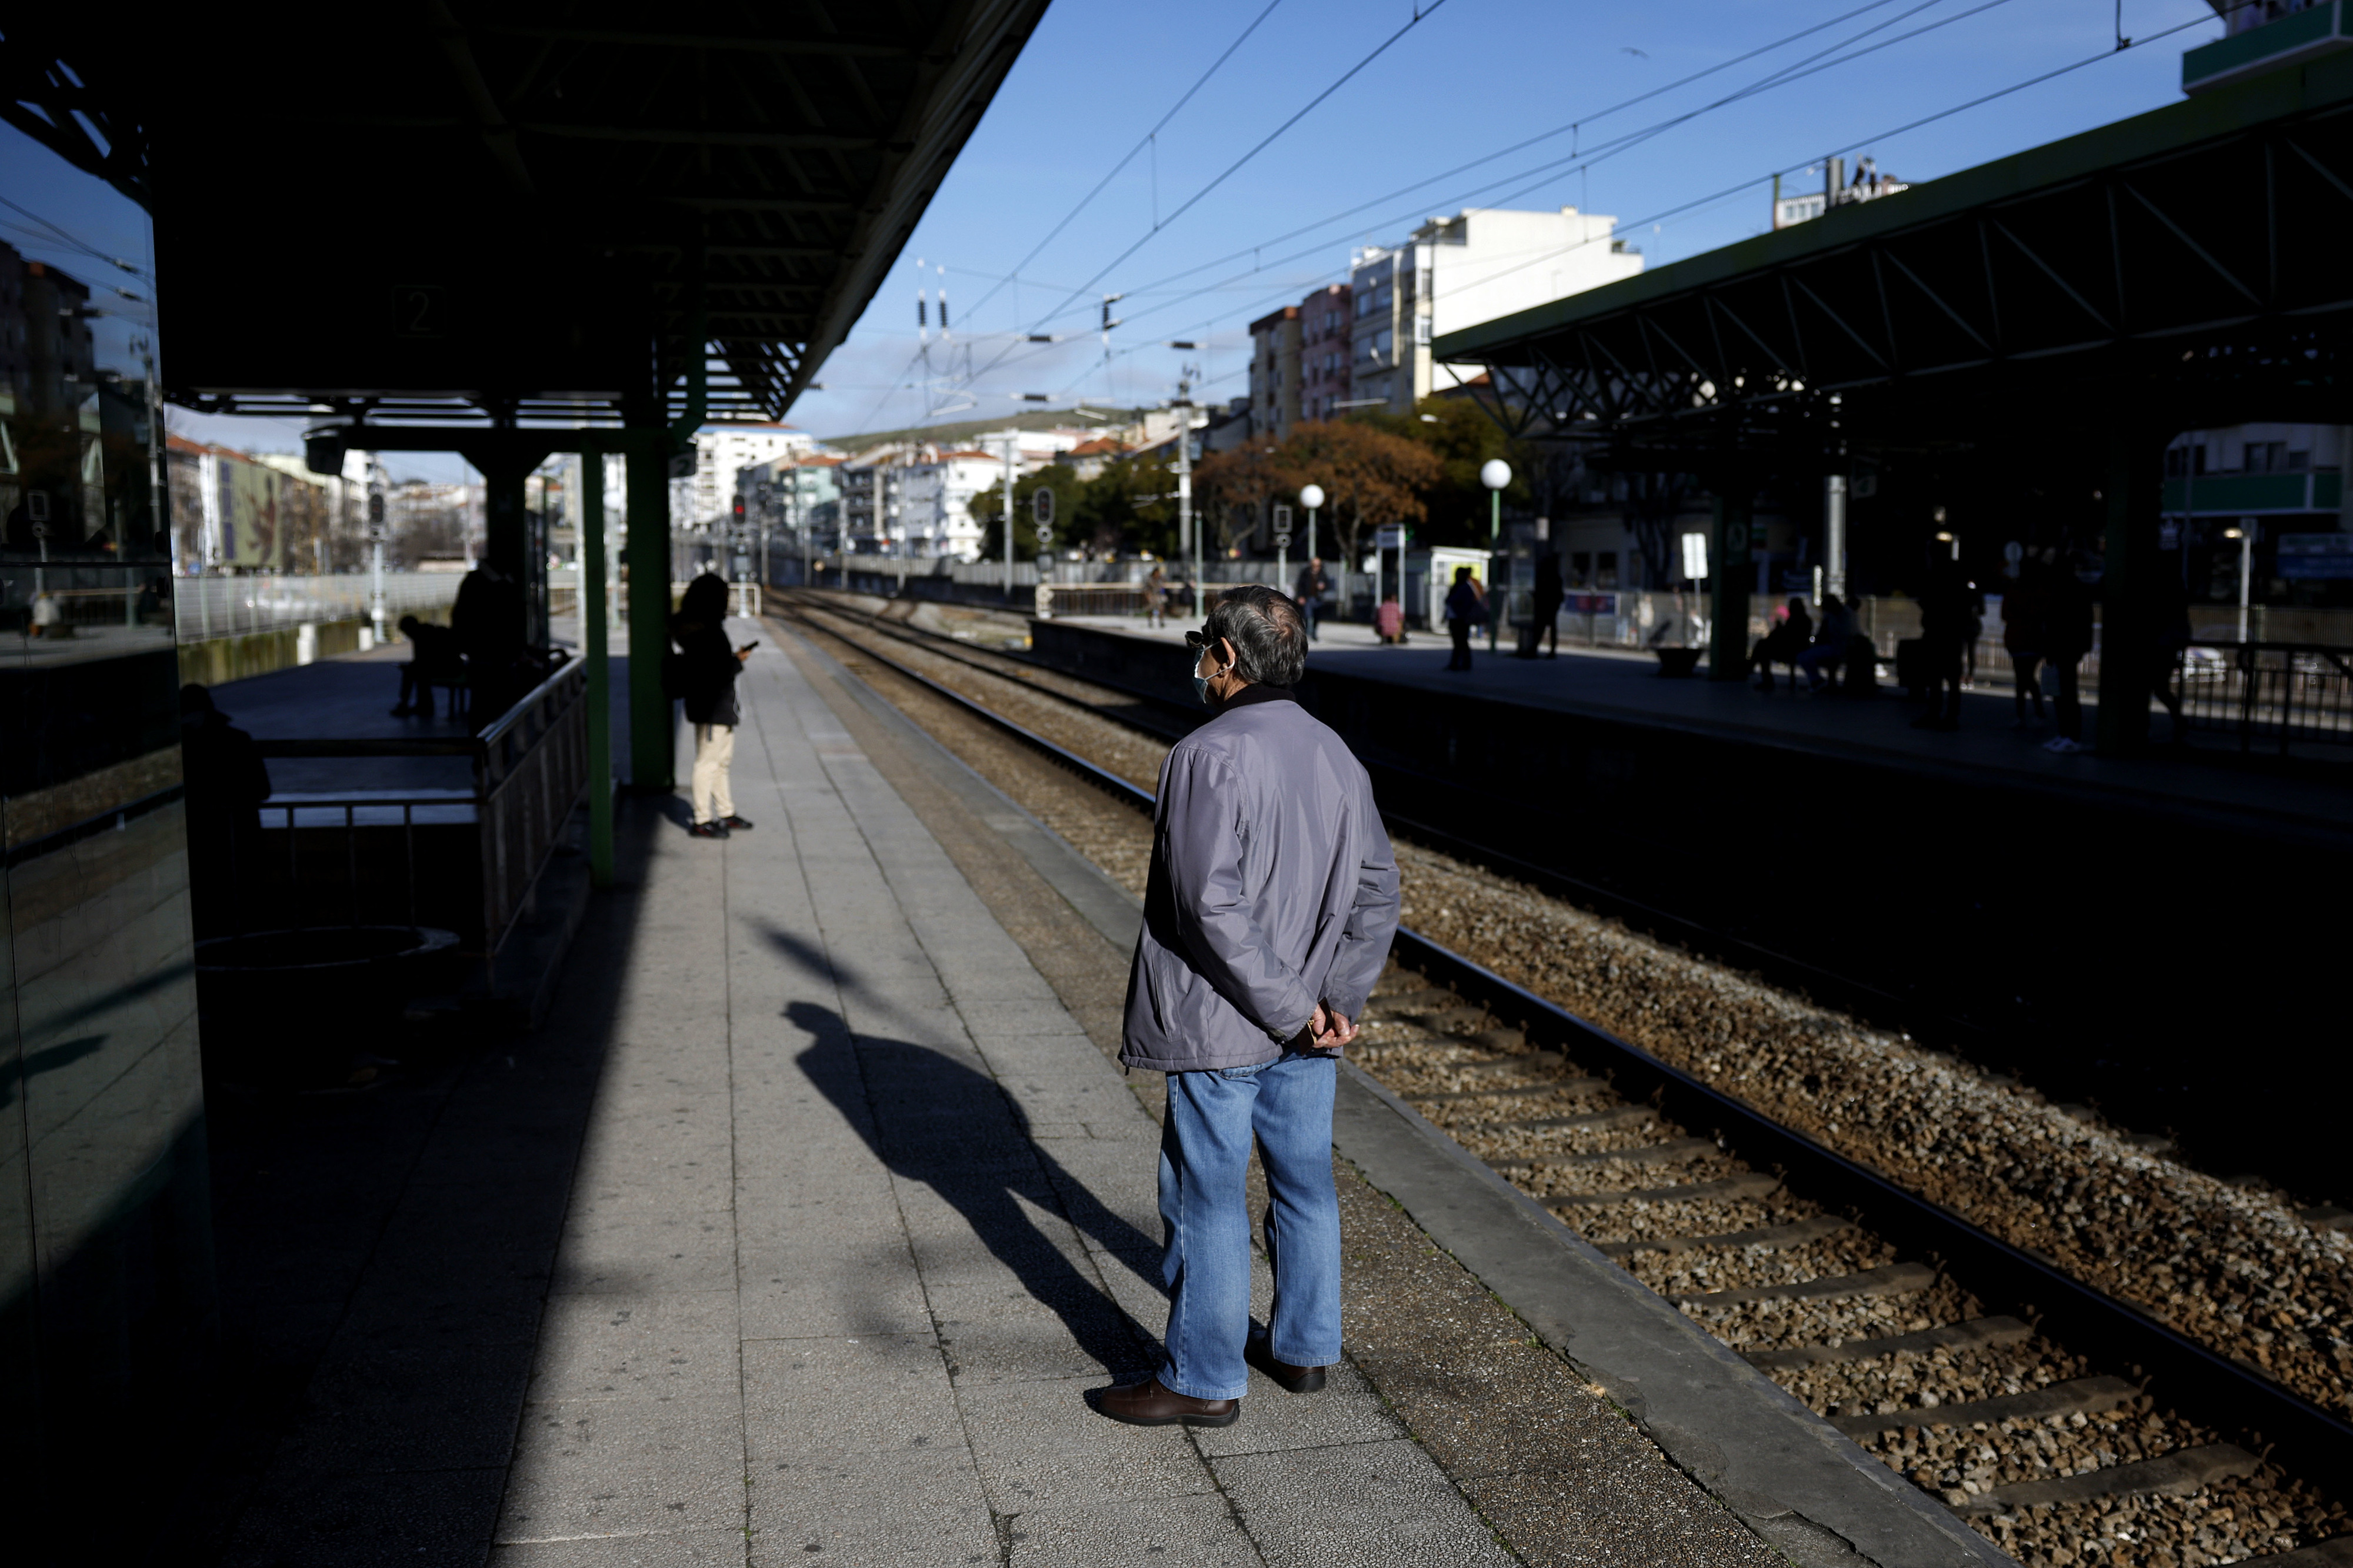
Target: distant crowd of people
<point>2047,630</point>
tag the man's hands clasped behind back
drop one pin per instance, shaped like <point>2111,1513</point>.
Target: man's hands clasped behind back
<point>1327,1031</point>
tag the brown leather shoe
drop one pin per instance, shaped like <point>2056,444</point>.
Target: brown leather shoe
<point>1295,1379</point>
<point>1146,1404</point>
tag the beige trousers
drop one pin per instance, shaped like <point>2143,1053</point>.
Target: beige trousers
<point>714,748</point>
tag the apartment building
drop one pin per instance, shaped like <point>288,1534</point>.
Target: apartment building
<point>1274,373</point>
<point>1455,272</point>
<point>1326,352</point>
<point>721,451</point>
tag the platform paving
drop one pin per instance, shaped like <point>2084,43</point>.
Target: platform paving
<point>861,1214</point>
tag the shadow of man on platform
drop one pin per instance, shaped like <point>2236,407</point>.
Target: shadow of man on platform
<point>935,1119</point>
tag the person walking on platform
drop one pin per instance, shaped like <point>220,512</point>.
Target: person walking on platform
<point>1466,609</point>
<point>703,677</point>
<point>1155,594</point>
<point>2022,614</point>
<point>1945,618</point>
<point>1312,589</point>
<point>2169,635</point>
<point>2066,638</point>
<point>1268,911</point>
<point>1545,620</point>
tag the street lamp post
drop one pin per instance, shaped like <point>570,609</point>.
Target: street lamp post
<point>1312,498</point>
<point>2245,534</point>
<point>1495,473</point>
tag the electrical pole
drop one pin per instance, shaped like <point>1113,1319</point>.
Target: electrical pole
<point>1187,535</point>
<point>1010,438</point>
<point>1834,533</point>
<point>375,536</point>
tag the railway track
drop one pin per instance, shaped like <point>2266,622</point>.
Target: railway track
<point>2067,1425</point>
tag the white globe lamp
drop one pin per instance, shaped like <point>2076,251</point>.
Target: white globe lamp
<point>1495,473</point>
<point>1312,498</point>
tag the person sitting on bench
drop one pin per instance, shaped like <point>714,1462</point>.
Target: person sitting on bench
<point>1831,643</point>
<point>1783,645</point>
<point>434,663</point>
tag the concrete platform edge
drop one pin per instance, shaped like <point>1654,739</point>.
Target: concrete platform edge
<point>1791,1476</point>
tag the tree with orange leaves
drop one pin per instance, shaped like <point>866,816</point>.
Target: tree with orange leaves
<point>1234,487</point>
<point>1370,478</point>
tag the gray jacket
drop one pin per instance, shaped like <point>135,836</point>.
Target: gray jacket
<point>1273,887</point>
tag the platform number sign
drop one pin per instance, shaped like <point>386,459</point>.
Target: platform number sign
<point>419,309</point>
<point>1041,512</point>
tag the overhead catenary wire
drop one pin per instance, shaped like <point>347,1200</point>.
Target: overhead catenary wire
<point>1783,76</point>
<point>1420,14</point>
<point>1863,142</point>
<point>1663,215</point>
<point>117,262</point>
<point>1683,208</point>
<point>1149,139</point>
<point>1588,157</point>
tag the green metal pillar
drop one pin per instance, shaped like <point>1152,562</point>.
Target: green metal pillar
<point>1728,575</point>
<point>651,746</point>
<point>594,614</point>
<point>2129,584</point>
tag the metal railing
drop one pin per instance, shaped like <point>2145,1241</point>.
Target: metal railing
<point>530,769</point>
<point>529,774</point>
<point>2273,695</point>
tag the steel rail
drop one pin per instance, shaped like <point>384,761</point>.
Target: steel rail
<point>2210,1387</point>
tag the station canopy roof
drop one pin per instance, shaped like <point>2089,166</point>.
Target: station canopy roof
<point>2185,267</point>
<point>474,209</point>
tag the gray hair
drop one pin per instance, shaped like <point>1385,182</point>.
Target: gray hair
<point>1268,638</point>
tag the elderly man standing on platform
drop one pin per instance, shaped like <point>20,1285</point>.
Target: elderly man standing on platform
<point>1267,918</point>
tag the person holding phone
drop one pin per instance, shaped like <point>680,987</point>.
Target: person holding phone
<point>705,673</point>
<point>1266,916</point>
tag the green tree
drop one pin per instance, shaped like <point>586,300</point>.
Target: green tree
<point>1461,436</point>
<point>987,508</point>
<point>1131,505</point>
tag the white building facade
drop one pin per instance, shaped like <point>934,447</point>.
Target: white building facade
<point>705,499</point>
<point>1455,272</point>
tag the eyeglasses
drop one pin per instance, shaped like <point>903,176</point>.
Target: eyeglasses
<point>1196,641</point>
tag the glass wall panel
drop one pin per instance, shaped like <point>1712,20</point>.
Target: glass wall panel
<point>107,1304</point>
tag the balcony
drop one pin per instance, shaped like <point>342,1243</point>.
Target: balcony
<point>2292,39</point>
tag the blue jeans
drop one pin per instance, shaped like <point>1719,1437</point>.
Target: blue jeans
<point>1205,1150</point>
<point>1308,610</point>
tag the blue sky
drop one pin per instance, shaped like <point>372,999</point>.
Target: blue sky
<point>1473,77</point>
<point>1467,79</point>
